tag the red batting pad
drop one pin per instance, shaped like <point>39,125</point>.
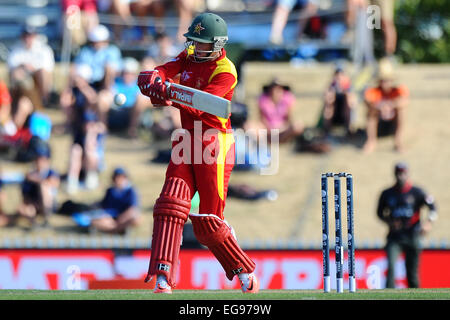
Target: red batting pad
<point>169,216</point>
<point>217,235</point>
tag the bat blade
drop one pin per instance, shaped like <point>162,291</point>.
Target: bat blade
<point>199,100</point>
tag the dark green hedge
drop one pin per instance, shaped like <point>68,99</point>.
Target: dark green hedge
<point>423,28</point>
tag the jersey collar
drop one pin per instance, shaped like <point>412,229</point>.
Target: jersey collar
<point>405,188</point>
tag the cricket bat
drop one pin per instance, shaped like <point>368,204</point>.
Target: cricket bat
<point>199,100</point>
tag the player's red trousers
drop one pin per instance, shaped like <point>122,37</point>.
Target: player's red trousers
<point>205,164</point>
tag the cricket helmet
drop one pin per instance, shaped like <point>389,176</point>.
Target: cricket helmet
<point>208,28</point>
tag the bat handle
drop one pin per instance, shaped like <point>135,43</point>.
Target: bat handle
<point>159,80</point>
<point>168,85</point>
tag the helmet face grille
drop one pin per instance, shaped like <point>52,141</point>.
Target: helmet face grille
<point>219,43</point>
<point>192,50</point>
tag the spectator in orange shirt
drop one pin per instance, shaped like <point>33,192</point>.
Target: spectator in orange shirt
<point>14,131</point>
<point>5,106</point>
<point>387,104</point>
<point>12,116</point>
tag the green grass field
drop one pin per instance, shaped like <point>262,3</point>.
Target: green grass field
<point>385,294</point>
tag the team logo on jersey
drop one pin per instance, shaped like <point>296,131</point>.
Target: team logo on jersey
<point>186,75</point>
<point>198,28</point>
<point>199,84</point>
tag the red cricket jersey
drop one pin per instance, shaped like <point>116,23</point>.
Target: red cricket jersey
<point>218,77</point>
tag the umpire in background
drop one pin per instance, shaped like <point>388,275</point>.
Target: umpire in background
<point>399,207</point>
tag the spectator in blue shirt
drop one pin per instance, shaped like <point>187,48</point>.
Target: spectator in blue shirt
<point>39,189</point>
<point>101,63</point>
<point>120,206</point>
<point>104,58</point>
<point>126,116</point>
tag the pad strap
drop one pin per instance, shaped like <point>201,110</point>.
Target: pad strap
<point>218,236</point>
<point>169,216</point>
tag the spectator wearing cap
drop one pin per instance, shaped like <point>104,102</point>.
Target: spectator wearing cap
<point>126,116</point>
<point>39,189</point>
<point>120,205</point>
<point>400,208</point>
<point>104,58</point>
<point>94,68</point>
<point>80,101</point>
<point>387,104</point>
<point>31,63</point>
<point>78,96</point>
<point>275,106</point>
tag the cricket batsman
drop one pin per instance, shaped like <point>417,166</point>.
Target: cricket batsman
<point>203,65</point>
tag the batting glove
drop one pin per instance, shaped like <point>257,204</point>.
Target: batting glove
<point>146,79</point>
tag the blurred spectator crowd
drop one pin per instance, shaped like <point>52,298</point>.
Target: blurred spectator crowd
<point>98,70</point>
